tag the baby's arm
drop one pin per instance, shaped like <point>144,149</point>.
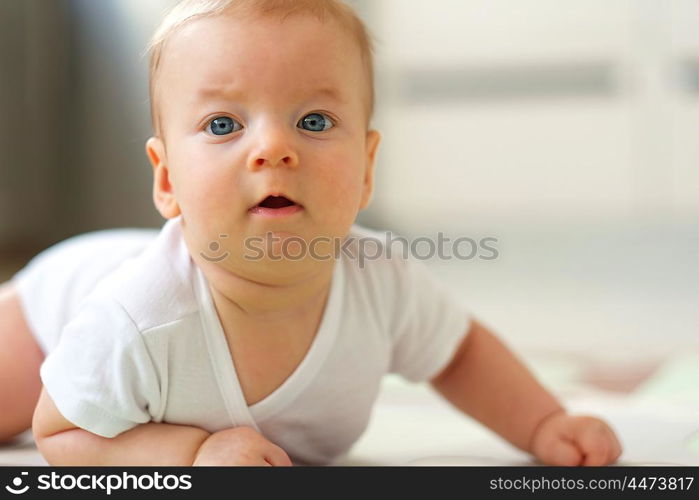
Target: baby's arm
<point>486,381</point>
<point>62,443</point>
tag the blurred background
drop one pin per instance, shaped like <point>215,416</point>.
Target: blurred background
<point>566,129</point>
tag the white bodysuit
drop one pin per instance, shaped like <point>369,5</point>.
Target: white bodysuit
<point>131,335</point>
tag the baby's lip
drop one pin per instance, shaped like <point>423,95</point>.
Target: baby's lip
<point>275,200</point>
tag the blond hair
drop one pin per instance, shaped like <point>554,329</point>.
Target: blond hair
<point>190,10</point>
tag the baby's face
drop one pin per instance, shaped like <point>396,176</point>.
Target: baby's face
<point>257,108</point>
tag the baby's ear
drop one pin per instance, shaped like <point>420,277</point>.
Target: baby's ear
<point>163,193</point>
<point>372,145</point>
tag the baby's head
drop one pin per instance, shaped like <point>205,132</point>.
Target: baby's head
<point>253,99</point>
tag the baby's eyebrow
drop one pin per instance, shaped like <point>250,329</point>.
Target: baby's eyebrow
<point>229,93</point>
<point>237,94</point>
<point>330,92</point>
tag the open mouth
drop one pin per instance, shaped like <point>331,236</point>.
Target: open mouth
<point>276,202</point>
<point>276,206</point>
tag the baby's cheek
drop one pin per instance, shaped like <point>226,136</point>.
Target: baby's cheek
<point>344,180</point>
<point>206,213</point>
<point>199,200</point>
<point>341,198</point>
<point>209,190</point>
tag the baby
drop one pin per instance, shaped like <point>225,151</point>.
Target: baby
<point>183,347</point>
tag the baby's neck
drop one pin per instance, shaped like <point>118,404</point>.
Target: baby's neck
<point>243,303</point>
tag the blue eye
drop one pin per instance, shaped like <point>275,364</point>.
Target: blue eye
<point>224,125</point>
<point>315,122</point>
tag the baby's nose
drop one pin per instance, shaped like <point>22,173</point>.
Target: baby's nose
<point>273,149</point>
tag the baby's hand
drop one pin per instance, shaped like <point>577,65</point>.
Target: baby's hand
<point>562,439</point>
<point>240,446</point>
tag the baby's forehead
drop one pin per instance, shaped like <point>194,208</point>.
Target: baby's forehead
<point>268,31</point>
<point>217,52</point>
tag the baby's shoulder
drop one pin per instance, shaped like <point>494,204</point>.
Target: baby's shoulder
<point>156,287</point>
<point>375,248</point>
<point>376,258</point>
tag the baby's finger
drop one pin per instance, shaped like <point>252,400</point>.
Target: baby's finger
<point>593,444</point>
<point>277,457</point>
<point>614,447</point>
<point>563,453</point>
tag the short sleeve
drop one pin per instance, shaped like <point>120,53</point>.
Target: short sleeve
<point>53,284</point>
<point>429,323</point>
<point>100,375</point>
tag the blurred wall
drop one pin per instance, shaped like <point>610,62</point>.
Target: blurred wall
<point>74,102</point>
<point>539,110</point>
<point>35,95</point>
